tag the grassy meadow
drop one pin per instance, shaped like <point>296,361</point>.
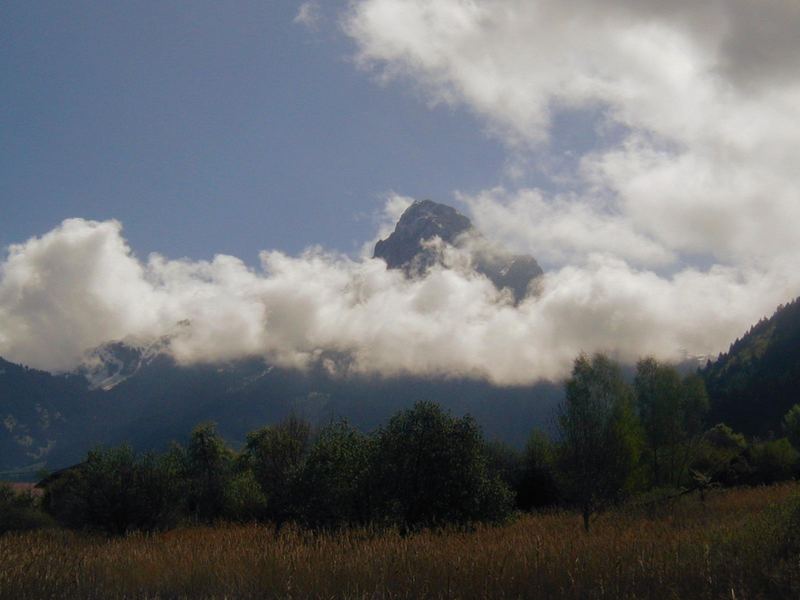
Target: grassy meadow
<point>740,543</point>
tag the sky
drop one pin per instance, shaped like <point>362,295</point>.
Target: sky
<point>211,127</point>
<point>230,165</point>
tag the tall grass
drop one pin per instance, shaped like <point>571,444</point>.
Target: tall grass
<point>739,544</point>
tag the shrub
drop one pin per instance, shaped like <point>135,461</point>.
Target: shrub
<point>772,461</point>
<point>116,491</point>
<point>332,487</point>
<point>275,455</point>
<point>430,469</point>
<point>538,487</point>
<point>20,511</point>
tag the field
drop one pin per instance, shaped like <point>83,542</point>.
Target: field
<point>738,544</point>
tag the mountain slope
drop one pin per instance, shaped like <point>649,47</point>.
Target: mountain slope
<point>37,410</point>
<point>160,401</point>
<point>756,382</point>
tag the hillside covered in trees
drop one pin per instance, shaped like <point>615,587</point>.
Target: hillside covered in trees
<point>758,380</point>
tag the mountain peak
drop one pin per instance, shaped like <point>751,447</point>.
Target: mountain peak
<point>421,222</point>
<point>425,220</point>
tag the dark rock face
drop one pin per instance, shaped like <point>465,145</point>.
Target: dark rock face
<point>425,220</point>
<point>513,271</point>
<point>422,221</point>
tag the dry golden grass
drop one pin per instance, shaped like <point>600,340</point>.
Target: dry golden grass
<point>729,547</point>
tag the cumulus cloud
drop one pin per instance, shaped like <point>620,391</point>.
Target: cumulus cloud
<point>80,285</point>
<point>563,229</point>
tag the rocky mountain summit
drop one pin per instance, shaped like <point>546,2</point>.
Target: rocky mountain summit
<point>415,246</point>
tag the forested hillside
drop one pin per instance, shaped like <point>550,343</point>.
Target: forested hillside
<point>757,381</point>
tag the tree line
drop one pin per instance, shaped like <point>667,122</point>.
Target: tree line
<point>614,440</point>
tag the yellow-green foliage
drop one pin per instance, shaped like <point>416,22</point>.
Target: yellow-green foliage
<point>738,544</point>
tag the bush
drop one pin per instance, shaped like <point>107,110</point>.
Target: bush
<point>773,461</point>
<point>116,491</point>
<point>538,487</point>
<point>244,500</point>
<point>332,487</point>
<point>20,511</point>
<point>430,469</point>
<point>206,467</point>
<point>275,455</point>
<point>720,455</point>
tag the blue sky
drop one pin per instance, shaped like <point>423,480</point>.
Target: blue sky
<point>211,127</point>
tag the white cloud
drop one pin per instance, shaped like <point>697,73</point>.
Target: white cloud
<point>708,93</point>
<point>562,230</point>
<point>79,285</point>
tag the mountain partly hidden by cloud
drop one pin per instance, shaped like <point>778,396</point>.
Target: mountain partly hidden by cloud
<point>668,232</point>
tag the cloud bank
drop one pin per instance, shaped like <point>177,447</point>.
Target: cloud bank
<point>670,232</point>
<point>80,285</point>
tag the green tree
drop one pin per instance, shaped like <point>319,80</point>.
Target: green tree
<point>772,461</point>
<point>276,454</point>
<point>538,486</point>
<point>721,455</point>
<point>116,491</point>
<point>430,469</point>
<point>332,486</point>
<point>244,500</point>
<point>791,425</point>
<point>600,435</point>
<point>20,511</point>
<point>671,411</point>
<point>695,405</point>
<point>207,469</point>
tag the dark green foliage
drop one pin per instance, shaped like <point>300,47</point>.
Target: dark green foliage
<point>671,411</point>
<point>531,482</point>
<point>791,425</point>
<point>600,436</point>
<point>20,511</point>
<point>244,500</point>
<point>721,456</point>
<point>722,436</point>
<point>116,491</point>
<point>430,469</point>
<point>332,488</point>
<point>772,461</point>
<point>755,383</point>
<point>275,455</point>
<point>207,469</point>
<point>538,487</point>
<point>504,462</point>
<point>695,404</point>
